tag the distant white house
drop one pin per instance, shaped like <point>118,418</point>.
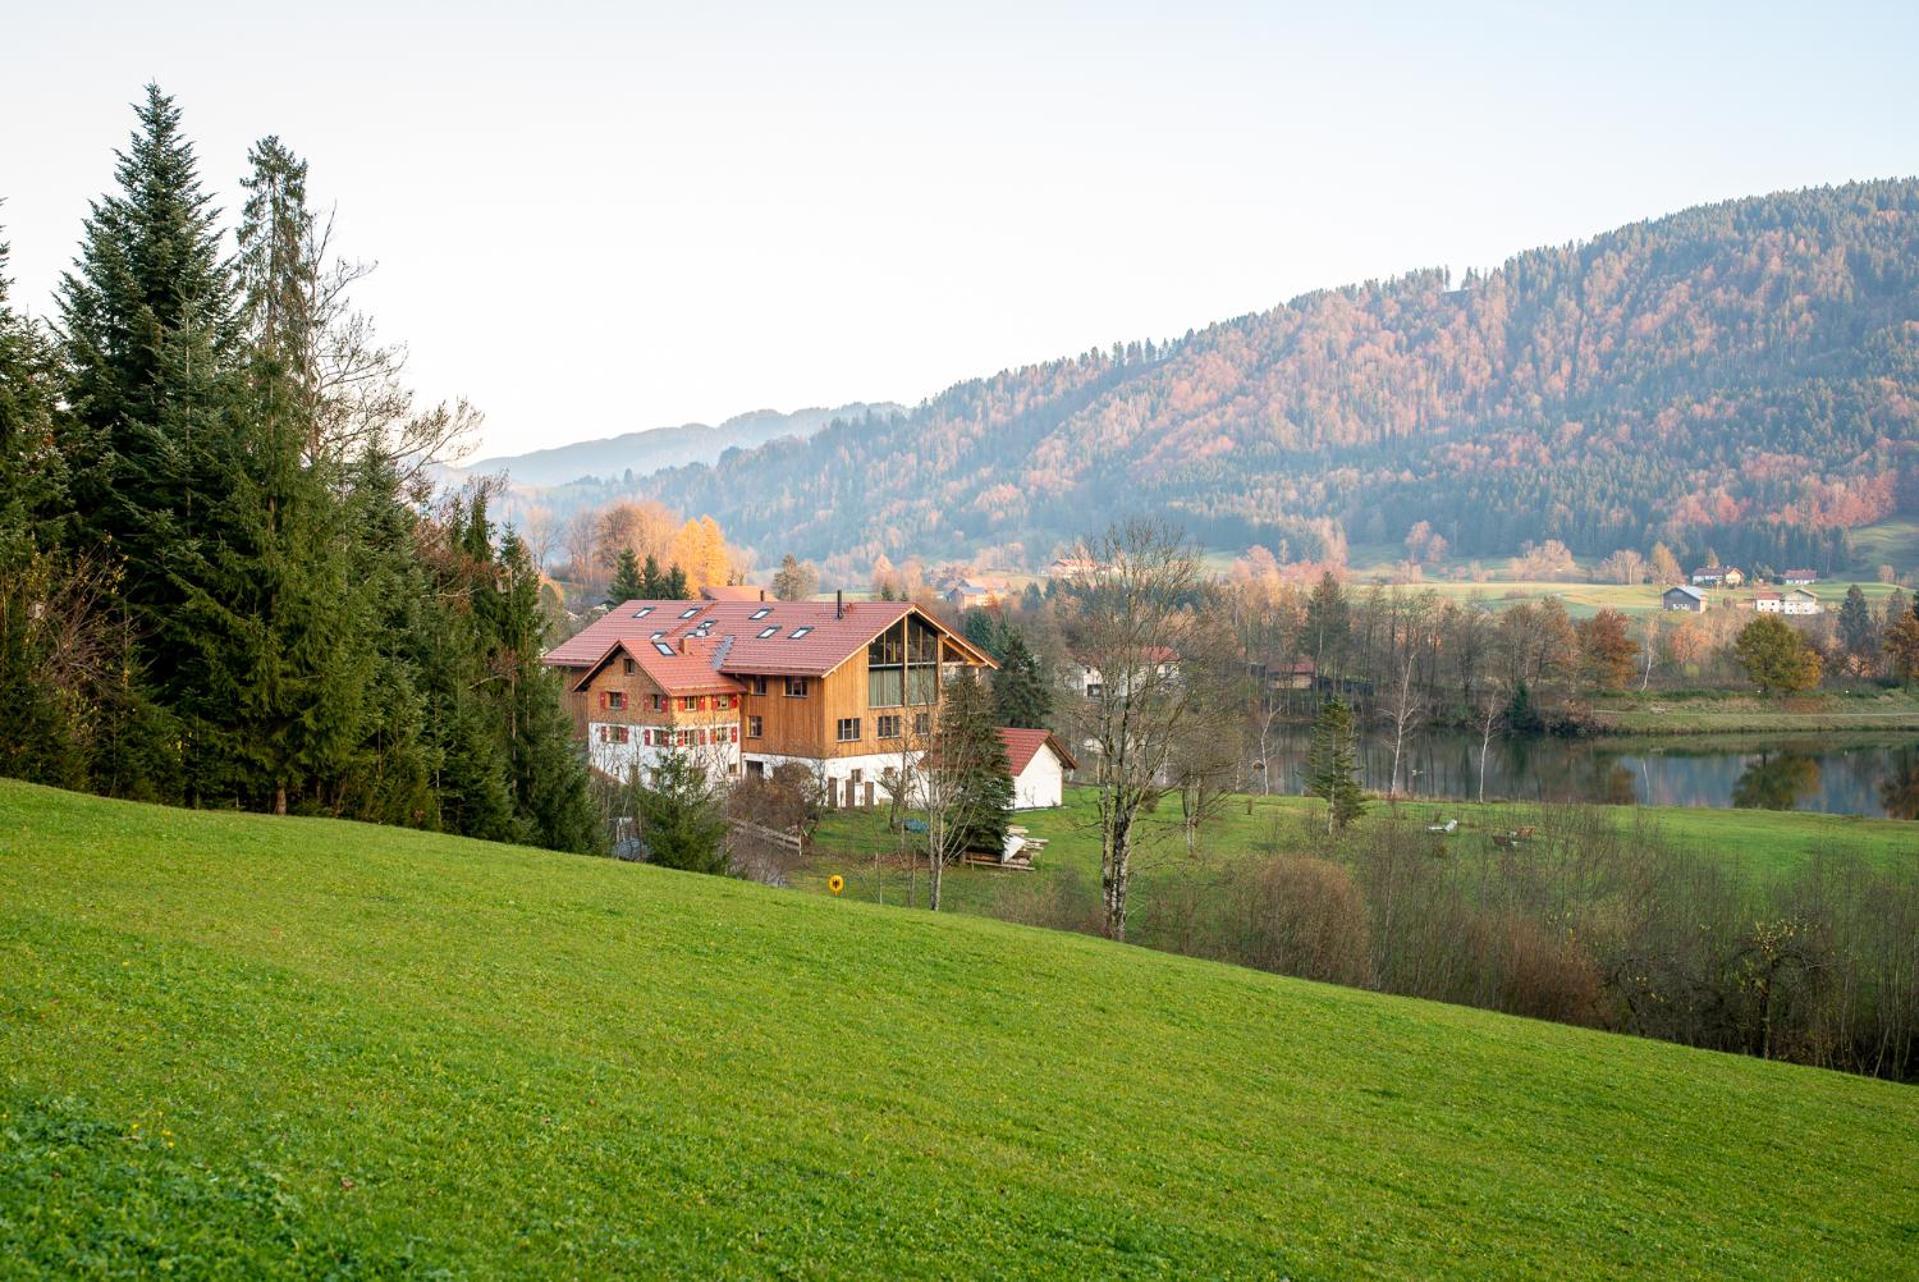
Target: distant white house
<point>1713,576</point>
<point>1685,598</point>
<point>1156,661</point>
<point>1766,601</point>
<point>1799,601</point>
<point>1039,763</point>
<point>1799,578</point>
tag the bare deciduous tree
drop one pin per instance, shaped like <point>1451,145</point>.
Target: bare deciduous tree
<point>1130,622</point>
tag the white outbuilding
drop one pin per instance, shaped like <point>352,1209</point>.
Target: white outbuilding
<point>1039,763</point>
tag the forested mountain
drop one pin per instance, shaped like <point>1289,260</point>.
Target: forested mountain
<point>1742,375</point>
<point>661,447</point>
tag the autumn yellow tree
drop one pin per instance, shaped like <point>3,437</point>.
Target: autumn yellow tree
<point>699,548</point>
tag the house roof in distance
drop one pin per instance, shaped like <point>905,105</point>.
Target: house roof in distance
<point>732,592</point>
<point>802,638</point>
<point>1023,745</point>
<point>1689,590</point>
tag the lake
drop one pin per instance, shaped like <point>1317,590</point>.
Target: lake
<point>1844,775</point>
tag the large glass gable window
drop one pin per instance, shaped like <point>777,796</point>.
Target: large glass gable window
<point>902,665</point>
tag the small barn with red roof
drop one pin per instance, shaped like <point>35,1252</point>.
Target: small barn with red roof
<point>1039,762</point>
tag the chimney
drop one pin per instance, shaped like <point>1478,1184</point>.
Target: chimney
<point>839,604</point>
<point>762,596</point>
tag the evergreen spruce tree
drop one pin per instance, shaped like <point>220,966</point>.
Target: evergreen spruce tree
<point>1332,767</point>
<point>151,334</point>
<point>283,645</point>
<point>391,773</point>
<point>1522,714</point>
<point>674,587</point>
<point>980,789</point>
<point>1021,696</point>
<point>628,582</point>
<point>652,582</point>
<point>1856,628</point>
<point>549,770</point>
<point>679,817</point>
<point>42,729</point>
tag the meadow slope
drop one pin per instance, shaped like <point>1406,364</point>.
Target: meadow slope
<point>246,1046</point>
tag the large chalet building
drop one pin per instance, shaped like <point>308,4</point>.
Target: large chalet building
<point>842,687</point>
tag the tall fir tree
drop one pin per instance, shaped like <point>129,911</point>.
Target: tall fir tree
<point>629,584</point>
<point>968,747</point>
<point>152,339</point>
<point>1021,696</point>
<point>673,587</point>
<point>652,582</point>
<point>1332,766</point>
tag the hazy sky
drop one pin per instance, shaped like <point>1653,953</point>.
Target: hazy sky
<point>592,218</point>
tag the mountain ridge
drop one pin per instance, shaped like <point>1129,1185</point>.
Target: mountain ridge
<point>1741,376</point>
<point>653,448</point>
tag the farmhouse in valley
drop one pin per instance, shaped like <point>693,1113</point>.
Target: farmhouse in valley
<point>1799,601</point>
<point>1799,578</point>
<point>1713,576</point>
<point>842,687</point>
<point>1686,598</point>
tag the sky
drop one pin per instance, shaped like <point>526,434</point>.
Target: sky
<point>596,218</point>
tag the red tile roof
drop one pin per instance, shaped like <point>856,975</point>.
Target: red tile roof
<point>1023,745</point>
<point>688,672</point>
<point>808,638</point>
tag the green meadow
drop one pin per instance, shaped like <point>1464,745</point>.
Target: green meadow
<point>240,1046</point>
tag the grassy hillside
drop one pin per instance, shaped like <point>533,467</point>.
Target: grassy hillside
<point>245,1045</point>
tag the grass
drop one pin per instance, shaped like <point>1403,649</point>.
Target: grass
<point>243,1046</point>
<point>1658,712</point>
<point>1064,887</point>
<point>1894,542</point>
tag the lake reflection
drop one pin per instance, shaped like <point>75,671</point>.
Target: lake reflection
<point>1837,775</point>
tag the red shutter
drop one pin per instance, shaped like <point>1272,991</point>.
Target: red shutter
<point>602,698</point>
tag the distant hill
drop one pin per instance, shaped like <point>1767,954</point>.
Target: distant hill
<point>262,1047</point>
<point>1743,376</point>
<point>648,451</point>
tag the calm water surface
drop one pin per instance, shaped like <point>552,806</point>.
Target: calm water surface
<point>1837,775</point>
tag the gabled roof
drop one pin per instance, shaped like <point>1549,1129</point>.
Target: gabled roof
<point>732,592</point>
<point>1023,745</point>
<point>1693,592</point>
<point>679,673</point>
<point>804,638</point>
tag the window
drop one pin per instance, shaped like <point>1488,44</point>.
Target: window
<point>616,734</point>
<point>760,613</point>
<point>659,702</point>
<point>796,687</point>
<point>663,648</point>
<point>657,635</point>
<point>616,699</point>
<point>887,727</point>
<point>642,612</point>
<point>689,703</point>
<point>849,729</point>
<point>755,727</point>
<point>630,666</point>
<point>757,684</point>
<point>797,633</point>
<point>922,722</point>
<point>689,612</point>
<point>767,632</point>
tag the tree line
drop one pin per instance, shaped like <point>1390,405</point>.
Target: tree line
<point>224,578</point>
